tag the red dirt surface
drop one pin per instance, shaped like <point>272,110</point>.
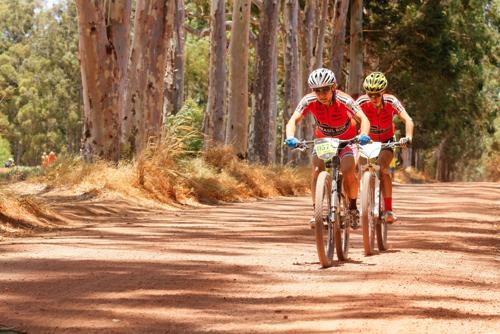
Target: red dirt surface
<point>252,268</point>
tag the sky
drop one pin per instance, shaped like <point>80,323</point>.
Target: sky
<point>49,3</point>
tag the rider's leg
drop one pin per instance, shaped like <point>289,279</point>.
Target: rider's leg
<point>384,161</point>
<point>318,166</point>
<point>351,185</point>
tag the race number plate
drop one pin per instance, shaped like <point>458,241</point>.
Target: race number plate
<point>325,150</point>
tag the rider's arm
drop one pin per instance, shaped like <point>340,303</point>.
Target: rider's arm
<point>403,115</point>
<point>361,118</point>
<point>291,125</point>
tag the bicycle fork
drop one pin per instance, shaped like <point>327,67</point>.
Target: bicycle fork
<point>335,200</point>
<point>378,196</point>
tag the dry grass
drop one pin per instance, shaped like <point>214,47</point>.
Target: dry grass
<point>22,214</point>
<point>165,173</point>
<point>411,175</point>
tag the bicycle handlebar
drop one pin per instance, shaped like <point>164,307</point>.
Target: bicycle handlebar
<point>305,144</point>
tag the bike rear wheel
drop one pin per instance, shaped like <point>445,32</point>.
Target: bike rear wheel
<point>381,226</point>
<point>322,209</point>
<point>367,212</point>
<point>341,225</point>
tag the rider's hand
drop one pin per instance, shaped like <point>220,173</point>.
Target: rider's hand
<point>364,139</point>
<point>405,141</point>
<point>292,142</point>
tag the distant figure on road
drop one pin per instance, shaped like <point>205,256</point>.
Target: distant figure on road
<point>44,159</point>
<point>9,163</point>
<point>51,158</point>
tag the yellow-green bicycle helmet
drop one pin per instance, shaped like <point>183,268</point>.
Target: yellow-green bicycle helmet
<point>375,82</point>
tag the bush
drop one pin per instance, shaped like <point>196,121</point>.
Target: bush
<point>4,150</point>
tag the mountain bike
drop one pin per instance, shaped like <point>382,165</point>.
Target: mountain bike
<point>372,204</point>
<point>331,213</point>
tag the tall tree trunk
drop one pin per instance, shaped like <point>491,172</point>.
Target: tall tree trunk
<point>292,62</point>
<point>441,160</point>
<point>174,76</point>
<point>153,33</point>
<point>308,44</point>
<point>356,48</point>
<point>264,132</point>
<point>338,39</point>
<point>237,118</point>
<point>320,40</point>
<point>103,48</point>
<point>213,123</point>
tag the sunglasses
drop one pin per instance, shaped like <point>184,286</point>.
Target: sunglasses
<point>322,89</point>
<point>374,95</point>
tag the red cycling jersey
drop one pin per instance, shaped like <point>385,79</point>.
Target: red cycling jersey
<point>381,125</point>
<point>335,120</point>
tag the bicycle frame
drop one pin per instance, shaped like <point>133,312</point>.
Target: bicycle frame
<point>369,172</point>
<point>333,168</point>
<point>374,169</point>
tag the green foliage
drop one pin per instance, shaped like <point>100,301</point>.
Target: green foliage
<point>436,65</point>
<point>196,75</point>
<point>4,150</point>
<point>40,79</point>
<point>21,173</point>
<point>187,125</point>
<point>197,14</point>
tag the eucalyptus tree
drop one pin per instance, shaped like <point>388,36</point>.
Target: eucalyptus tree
<point>174,76</point>
<point>104,28</point>
<point>308,32</point>
<point>292,62</point>
<point>237,116</point>
<point>263,139</point>
<point>337,46</point>
<point>356,48</point>
<point>153,33</point>
<point>213,123</point>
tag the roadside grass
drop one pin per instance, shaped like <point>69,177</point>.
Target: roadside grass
<point>411,175</point>
<point>19,173</point>
<point>168,174</point>
<point>19,215</point>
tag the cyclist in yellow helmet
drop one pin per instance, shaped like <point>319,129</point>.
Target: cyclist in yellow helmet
<point>380,108</point>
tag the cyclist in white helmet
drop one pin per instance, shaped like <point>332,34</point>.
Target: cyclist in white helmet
<point>337,115</point>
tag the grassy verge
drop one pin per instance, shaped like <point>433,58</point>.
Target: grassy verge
<point>20,215</point>
<point>168,175</point>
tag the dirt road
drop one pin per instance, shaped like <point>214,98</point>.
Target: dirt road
<point>252,268</point>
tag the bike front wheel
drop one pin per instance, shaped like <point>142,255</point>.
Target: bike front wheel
<point>324,229</point>
<point>341,226</point>
<point>381,226</point>
<point>367,212</point>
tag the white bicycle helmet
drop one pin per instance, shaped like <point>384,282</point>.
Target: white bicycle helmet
<point>321,77</point>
